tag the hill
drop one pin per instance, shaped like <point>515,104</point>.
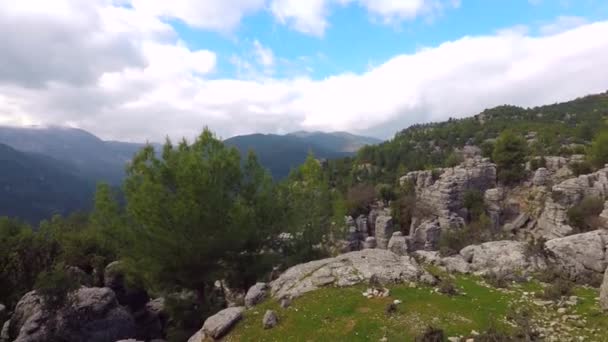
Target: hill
<point>35,187</point>
<point>560,129</point>
<point>92,157</point>
<point>281,153</point>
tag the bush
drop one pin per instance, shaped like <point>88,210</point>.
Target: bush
<point>509,155</point>
<point>447,287</point>
<point>581,168</point>
<point>431,334</point>
<point>536,248</point>
<point>598,151</point>
<point>54,287</point>
<point>386,192</point>
<point>496,280</point>
<point>474,203</point>
<point>537,163</point>
<point>453,240</point>
<point>557,289</point>
<point>584,217</point>
<point>454,159</point>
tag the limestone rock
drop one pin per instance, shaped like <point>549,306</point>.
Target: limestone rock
<point>426,236</point>
<point>4,337</point>
<point>553,222</point>
<point>541,177</point>
<point>451,264</point>
<point>369,243</point>
<point>222,322</point>
<point>347,270</point>
<point>93,314</point>
<point>256,294</point>
<point>444,194</point>
<point>493,199</point>
<point>501,257</point>
<point>520,221</point>
<point>270,320</point>
<point>397,244</point>
<point>604,215</point>
<point>582,257</point>
<point>3,313</point>
<point>383,229</point>
<point>604,292</point>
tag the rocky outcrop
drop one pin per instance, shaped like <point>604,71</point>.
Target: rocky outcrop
<point>582,257</point>
<point>553,222</point>
<point>347,270</point>
<point>604,215</point>
<point>270,319</point>
<point>493,200</point>
<point>256,294</point>
<point>444,194</point>
<point>93,314</point>
<point>219,324</point>
<point>383,228</point>
<point>426,236</point>
<point>604,292</point>
<point>450,264</point>
<point>504,258</point>
<point>369,243</point>
<point>3,313</point>
<point>541,177</point>
<point>398,244</point>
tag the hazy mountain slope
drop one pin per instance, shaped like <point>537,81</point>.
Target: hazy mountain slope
<point>92,157</point>
<point>34,187</point>
<point>337,141</point>
<point>281,153</point>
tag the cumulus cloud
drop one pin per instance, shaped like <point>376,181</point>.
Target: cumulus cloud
<point>154,85</point>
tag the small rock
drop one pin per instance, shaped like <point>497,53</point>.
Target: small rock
<point>474,333</point>
<point>219,324</point>
<point>397,302</point>
<point>285,302</point>
<point>454,339</point>
<point>270,319</point>
<point>561,311</point>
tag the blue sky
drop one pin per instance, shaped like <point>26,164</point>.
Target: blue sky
<point>356,39</point>
<point>138,70</point>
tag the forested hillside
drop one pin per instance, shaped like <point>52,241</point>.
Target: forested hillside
<point>35,187</point>
<point>558,129</point>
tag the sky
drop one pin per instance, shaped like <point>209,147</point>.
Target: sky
<point>142,70</point>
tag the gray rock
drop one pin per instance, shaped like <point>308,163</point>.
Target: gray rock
<point>582,257</point>
<point>541,177</point>
<point>604,215</point>
<point>3,313</point>
<point>4,336</point>
<point>256,294</point>
<point>361,224</point>
<point>493,199</point>
<point>397,244</point>
<point>270,320</point>
<point>369,243</point>
<point>198,337</point>
<point>347,270</point>
<point>285,302</point>
<point>520,221</point>
<point>444,195</point>
<point>553,222</point>
<point>93,314</point>
<point>383,229</point>
<point>222,322</point>
<point>501,257</point>
<point>426,236</point>
<point>451,264</point>
<point>604,292</point>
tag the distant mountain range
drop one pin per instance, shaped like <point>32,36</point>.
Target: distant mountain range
<point>281,153</point>
<point>54,170</point>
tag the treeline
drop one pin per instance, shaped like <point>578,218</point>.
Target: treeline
<point>193,216</point>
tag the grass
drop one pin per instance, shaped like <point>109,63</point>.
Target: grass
<point>333,314</point>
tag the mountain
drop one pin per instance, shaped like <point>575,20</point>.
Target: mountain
<point>281,153</point>
<point>35,187</point>
<point>92,157</point>
<point>337,141</point>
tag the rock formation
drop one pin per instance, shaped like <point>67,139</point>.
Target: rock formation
<point>504,258</point>
<point>219,324</point>
<point>347,270</point>
<point>256,294</point>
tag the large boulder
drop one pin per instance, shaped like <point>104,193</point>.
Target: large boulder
<point>133,297</point>
<point>256,294</point>
<point>347,270</point>
<point>426,236</point>
<point>541,177</point>
<point>270,319</point>
<point>506,258</point>
<point>222,322</point>
<point>582,257</point>
<point>604,292</point>
<point>383,228</point>
<point>92,314</point>
<point>553,222</point>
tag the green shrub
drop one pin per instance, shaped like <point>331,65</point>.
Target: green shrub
<point>598,151</point>
<point>509,155</point>
<point>584,217</point>
<point>447,287</point>
<point>473,201</point>
<point>557,289</point>
<point>431,334</point>
<point>537,163</point>
<point>359,199</point>
<point>581,168</point>
<point>454,159</point>
<point>54,287</point>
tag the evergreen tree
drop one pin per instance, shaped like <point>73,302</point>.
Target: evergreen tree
<point>510,155</point>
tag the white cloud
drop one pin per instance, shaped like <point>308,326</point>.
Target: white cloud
<point>150,84</point>
<point>563,23</point>
<point>304,16</point>
<point>264,54</point>
<point>222,15</point>
<point>397,10</point>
